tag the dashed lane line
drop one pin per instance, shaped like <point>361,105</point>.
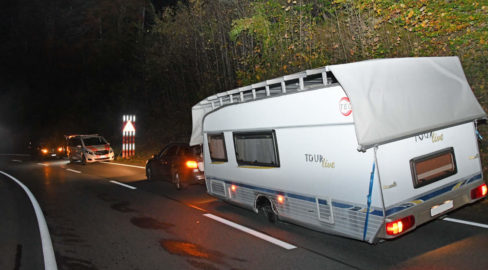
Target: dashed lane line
<point>466,222</point>
<point>252,232</point>
<point>47,246</point>
<point>121,184</point>
<point>126,165</point>
<point>75,171</point>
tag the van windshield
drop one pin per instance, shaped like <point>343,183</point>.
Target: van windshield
<point>94,141</point>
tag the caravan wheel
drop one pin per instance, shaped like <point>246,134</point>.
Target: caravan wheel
<point>265,209</point>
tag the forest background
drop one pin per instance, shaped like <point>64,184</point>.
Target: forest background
<point>77,66</point>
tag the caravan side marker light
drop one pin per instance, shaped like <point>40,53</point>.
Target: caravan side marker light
<point>191,164</point>
<point>233,188</point>
<point>479,192</point>
<point>280,199</point>
<point>400,225</point>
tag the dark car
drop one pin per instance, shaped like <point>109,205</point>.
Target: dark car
<point>48,149</point>
<point>178,163</point>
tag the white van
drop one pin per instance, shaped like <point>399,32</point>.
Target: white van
<point>88,148</point>
<point>368,150</point>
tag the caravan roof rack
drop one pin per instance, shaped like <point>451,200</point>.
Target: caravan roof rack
<point>292,83</point>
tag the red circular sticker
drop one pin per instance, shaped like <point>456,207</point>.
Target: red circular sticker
<point>345,106</point>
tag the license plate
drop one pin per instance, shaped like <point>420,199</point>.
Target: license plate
<point>438,209</point>
<point>102,156</point>
<point>53,155</point>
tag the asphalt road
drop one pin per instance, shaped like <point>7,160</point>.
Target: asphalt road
<point>96,223</point>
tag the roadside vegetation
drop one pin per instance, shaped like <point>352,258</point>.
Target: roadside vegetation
<point>227,44</point>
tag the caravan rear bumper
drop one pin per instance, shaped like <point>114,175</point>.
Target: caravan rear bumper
<point>434,204</point>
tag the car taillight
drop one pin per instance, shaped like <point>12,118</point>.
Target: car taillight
<point>233,188</point>
<point>60,149</point>
<point>44,150</point>
<point>191,164</point>
<point>479,192</point>
<point>400,225</point>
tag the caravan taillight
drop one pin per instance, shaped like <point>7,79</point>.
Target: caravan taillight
<point>280,199</point>
<point>398,226</point>
<point>479,192</point>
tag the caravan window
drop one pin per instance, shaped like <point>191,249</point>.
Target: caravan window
<point>256,148</point>
<point>216,146</point>
<point>433,167</point>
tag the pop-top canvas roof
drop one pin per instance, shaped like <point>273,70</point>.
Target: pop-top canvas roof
<point>397,98</point>
<point>394,98</point>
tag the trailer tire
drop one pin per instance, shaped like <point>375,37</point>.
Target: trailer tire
<point>268,213</point>
<point>265,209</point>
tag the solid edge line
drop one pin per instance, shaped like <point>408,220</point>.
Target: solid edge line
<point>252,232</point>
<point>75,171</point>
<point>121,184</point>
<point>466,222</point>
<point>126,165</point>
<point>47,246</point>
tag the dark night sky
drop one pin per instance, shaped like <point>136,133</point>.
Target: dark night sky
<point>58,76</point>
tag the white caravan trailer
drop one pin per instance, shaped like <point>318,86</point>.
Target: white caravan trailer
<point>368,150</point>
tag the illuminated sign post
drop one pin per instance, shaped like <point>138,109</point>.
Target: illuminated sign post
<point>128,136</point>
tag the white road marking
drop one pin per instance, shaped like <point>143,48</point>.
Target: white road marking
<point>466,222</point>
<point>75,171</point>
<point>126,165</point>
<point>47,246</point>
<point>252,232</point>
<point>17,160</point>
<point>43,164</point>
<point>121,184</point>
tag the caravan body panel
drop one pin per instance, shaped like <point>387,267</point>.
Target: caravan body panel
<point>406,155</point>
<point>323,178</point>
<point>403,196</point>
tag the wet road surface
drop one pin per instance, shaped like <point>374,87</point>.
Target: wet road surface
<point>96,223</point>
